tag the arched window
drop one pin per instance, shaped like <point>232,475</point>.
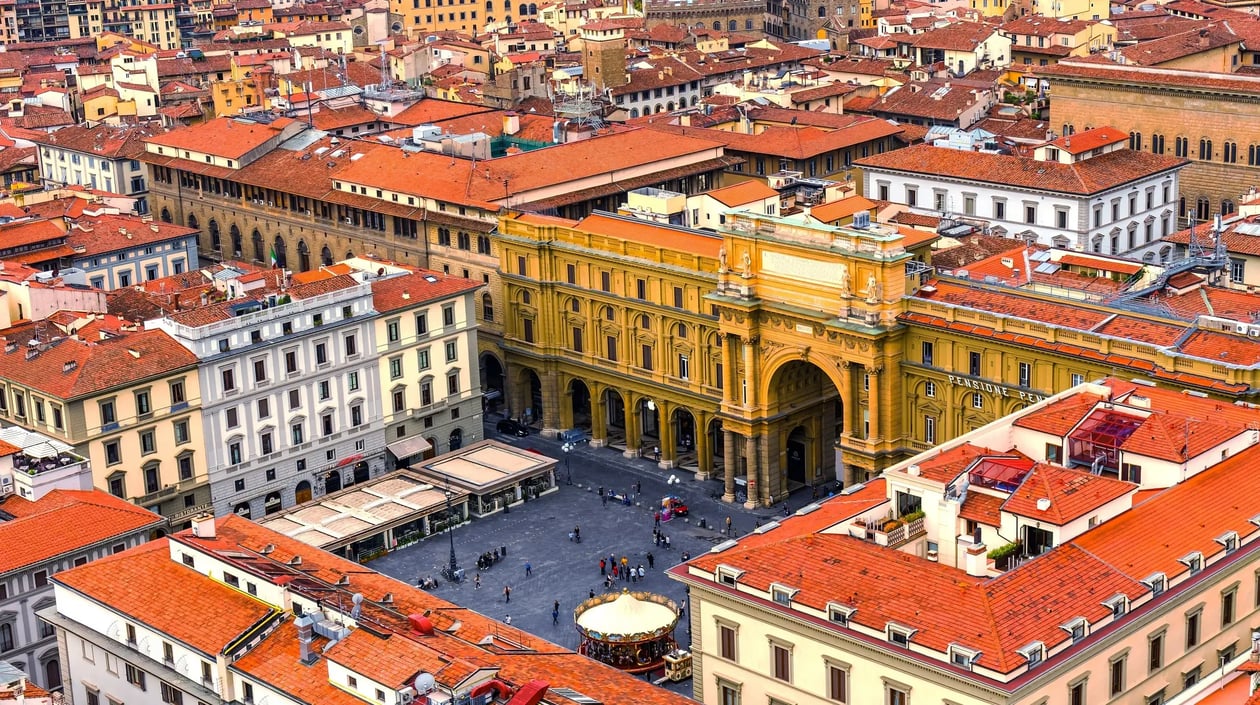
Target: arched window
<point>1253,155</point>
<point>1135,140</point>
<point>608,313</point>
<point>1182,147</point>
<point>349,254</point>
<point>634,112</point>
<point>456,439</point>
<point>192,222</point>
<point>487,307</point>
<point>1205,148</point>
<point>1229,152</point>
<point>1227,207</point>
<point>717,25</point>
<point>732,25</point>
<point>259,253</point>
<point>489,6</point>
<point>52,674</point>
<point>680,330</point>
<point>526,298</point>
<point>507,5</point>
<point>575,305</point>
<point>165,215</point>
<point>304,256</point>
<point>533,9</point>
<point>645,322</point>
<point>6,637</point>
<point>279,256</point>
<point>822,10</point>
<point>238,248</point>
<point>325,256</point>
<point>483,244</point>
<point>522,9</point>
<point>1202,209</point>
<point>748,25</point>
<point>216,243</point>
<point>1157,143</point>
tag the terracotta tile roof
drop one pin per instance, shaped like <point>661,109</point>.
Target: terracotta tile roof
<point>418,288</point>
<point>1060,417</point>
<point>225,137</point>
<point>1085,177</point>
<point>24,233</point>
<point>691,242</point>
<point>1088,140</point>
<point>1143,75</point>
<point>742,193</point>
<point>224,310</point>
<point>956,36</point>
<point>1153,332</point>
<point>1042,26</point>
<point>982,508</point>
<point>929,100</point>
<point>145,585</point>
<point>102,141</point>
<point>1176,438</point>
<point>839,209</point>
<point>1195,41</point>
<point>63,521</point>
<point>1236,242</point>
<point>70,368</point>
<point>108,233</point>
<point>794,142</point>
<point>948,464</point>
<point>1212,301</point>
<point>1014,304</point>
<point>1222,347</point>
<point>276,662</point>
<point>535,659</point>
<point>1072,493</point>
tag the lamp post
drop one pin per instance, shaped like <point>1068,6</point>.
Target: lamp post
<point>453,569</point>
<point>567,448</point>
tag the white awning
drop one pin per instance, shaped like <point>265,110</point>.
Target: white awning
<point>409,447</point>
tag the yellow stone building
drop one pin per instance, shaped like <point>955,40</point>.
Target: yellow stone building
<point>766,354</point>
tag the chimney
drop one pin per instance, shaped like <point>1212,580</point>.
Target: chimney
<point>305,628</point>
<point>977,562</point>
<point>511,123</point>
<point>203,526</point>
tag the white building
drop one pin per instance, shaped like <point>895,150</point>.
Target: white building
<point>1086,192</point>
<point>290,382</point>
<point>233,612</point>
<point>101,157</point>
<point>62,529</point>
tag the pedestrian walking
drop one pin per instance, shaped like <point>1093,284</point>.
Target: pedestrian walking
<point>603,499</point>
<point>507,593</point>
<point>728,525</point>
<point>555,613</point>
<point>603,566</point>
<point>592,593</point>
<point>529,570</point>
<point>577,533</point>
<point>656,519</point>
<point>477,581</point>
<point>634,575</point>
<point>614,570</point>
<point>625,563</point>
<point>638,487</point>
<point>642,572</point>
<point>651,560</point>
<point>601,490</point>
<point>666,543</point>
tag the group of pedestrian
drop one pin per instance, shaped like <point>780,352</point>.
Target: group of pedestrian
<point>660,539</point>
<point>614,570</point>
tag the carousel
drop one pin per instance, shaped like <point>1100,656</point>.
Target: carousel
<point>629,631</point>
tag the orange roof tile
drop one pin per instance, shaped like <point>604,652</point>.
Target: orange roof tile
<point>145,585</point>
<point>982,508</point>
<point>418,288</point>
<point>1059,417</point>
<point>63,521</point>
<point>1088,176</point>
<point>742,193</point>
<point>665,237</point>
<point>834,211</point>
<point>1088,140</point>
<point>1222,347</point>
<point>1072,494</point>
<point>71,368</point>
<point>225,137</point>
<point>1174,437</point>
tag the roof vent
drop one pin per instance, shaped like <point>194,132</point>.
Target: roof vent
<point>69,366</point>
<point>343,580</point>
<point>203,526</point>
<point>914,471</point>
<point>295,561</point>
<point>1043,504</point>
<point>266,550</point>
<point>420,624</point>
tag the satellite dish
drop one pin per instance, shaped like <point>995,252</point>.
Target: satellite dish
<point>424,683</point>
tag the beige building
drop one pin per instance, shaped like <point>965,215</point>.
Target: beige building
<point>126,399</point>
<point>1040,559</point>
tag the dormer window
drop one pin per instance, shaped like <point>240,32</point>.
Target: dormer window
<point>840,614</point>
<point>728,575</point>
<point>962,657</point>
<point>1229,541</point>
<point>1118,605</point>
<point>1077,628</point>
<point>1194,562</point>
<point>900,635</point>
<point>782,594</point>
<point>1157,583</point>
<point>1034,654</point>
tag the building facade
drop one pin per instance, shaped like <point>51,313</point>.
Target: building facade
<point>1195,115</point>
<point>1086,192</point>
<point>767,350</point>
<point>907,590</point>
<point>126,399</point>
<point>62,529</point>
<point>101,157</point>
<point>118,251</point>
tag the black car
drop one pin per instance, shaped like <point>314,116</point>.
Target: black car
<point>512,428</point>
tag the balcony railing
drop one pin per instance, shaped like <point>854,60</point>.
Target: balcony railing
<point>893,533</point>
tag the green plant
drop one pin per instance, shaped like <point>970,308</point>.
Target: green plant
<point>1003,551</point>
<point>912,516</point>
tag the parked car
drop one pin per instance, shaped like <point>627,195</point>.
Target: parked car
<point>512,428</point>
<point>574,436</point>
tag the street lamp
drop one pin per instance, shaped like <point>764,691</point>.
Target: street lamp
<point>452,570</point>
<point>567,448</point>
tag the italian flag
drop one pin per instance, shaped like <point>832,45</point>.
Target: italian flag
<point>273,256</point>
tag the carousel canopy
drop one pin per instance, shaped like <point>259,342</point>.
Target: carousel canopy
<point>626,615</point>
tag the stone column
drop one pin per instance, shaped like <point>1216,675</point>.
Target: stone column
<point>750,369</point>
<point>632,426</point>
<point>551,405</point>
<point>730,457</point>
<point>599,419</point>
<point>666,435</point>
<point>704,456</point>
<point>874,401</point>
<point>565,403</point>
<point>754,471</point>
<point>731,371</point>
